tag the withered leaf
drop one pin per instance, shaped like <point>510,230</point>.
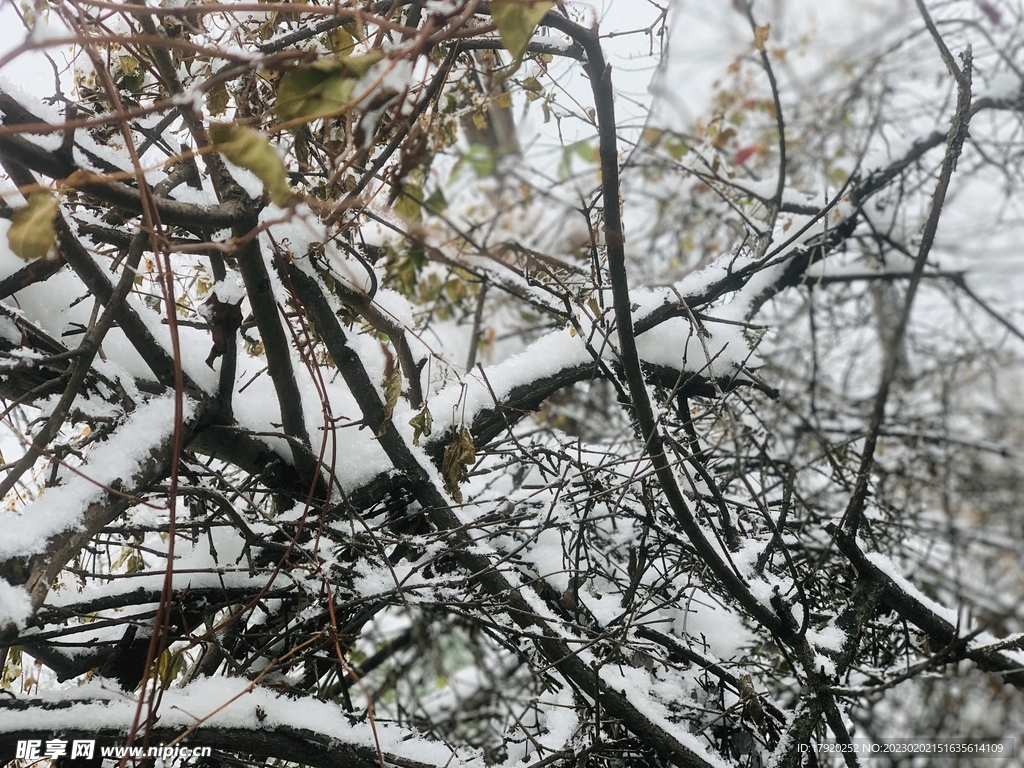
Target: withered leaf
<point>421,423</point>
<point>225,318</point>
<point>459,455</point>
<point>392,389</point>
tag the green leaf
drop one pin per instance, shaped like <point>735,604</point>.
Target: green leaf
<point>585,151</point>
<point>324,88</point>
<point>250,149</point>
<point>133,75</point>
<point>436,203</point>
<point>516,22</point>
<point>580,149</point>
<point>459,455</point>
<point>311,92</point>
<point>31,234</point>
<point>357,66</point>
<point>421,424</point>
<point>677,146</point>
<point>404,269</point>
<point>480,159</point>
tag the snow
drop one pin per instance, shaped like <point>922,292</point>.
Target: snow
<point>230,703</point>
<point>9,329</point>
<point>672,343</point>
<point>706,620</point>
<point>15,605</point>
<point>63,508</point>
<point>675,344</point>
<point>635,685</point>
<point>34,104</point>
<point>1004,85</point>
<point>48,27</point>
<point>560,720</point>
<point>889,568</point>
<point>460,401</point>
<point>228,291</point>
<point>830,637</point>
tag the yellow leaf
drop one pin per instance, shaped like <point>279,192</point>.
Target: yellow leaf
<point>133,75</point>
<point>761,35</point>
<point>407,206</point>
<point>217,99</point>
<point>126,552</point>
<point>516,22</point>
<point>250,149</point>
<point>341,41</point>
<point>129,65</point>
<point>677,146</point>
<point>31,234</point>
<point>168,666</point>
<point>651,136</point>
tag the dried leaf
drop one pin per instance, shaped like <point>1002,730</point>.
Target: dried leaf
<point>250,149</point>
<point>534,90</point>
<point>31,234</point>
<point>421,423</point>
<point>459,455</point>
<point>392,389</point>
<point>761,35</point>
<point>225,319</point>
